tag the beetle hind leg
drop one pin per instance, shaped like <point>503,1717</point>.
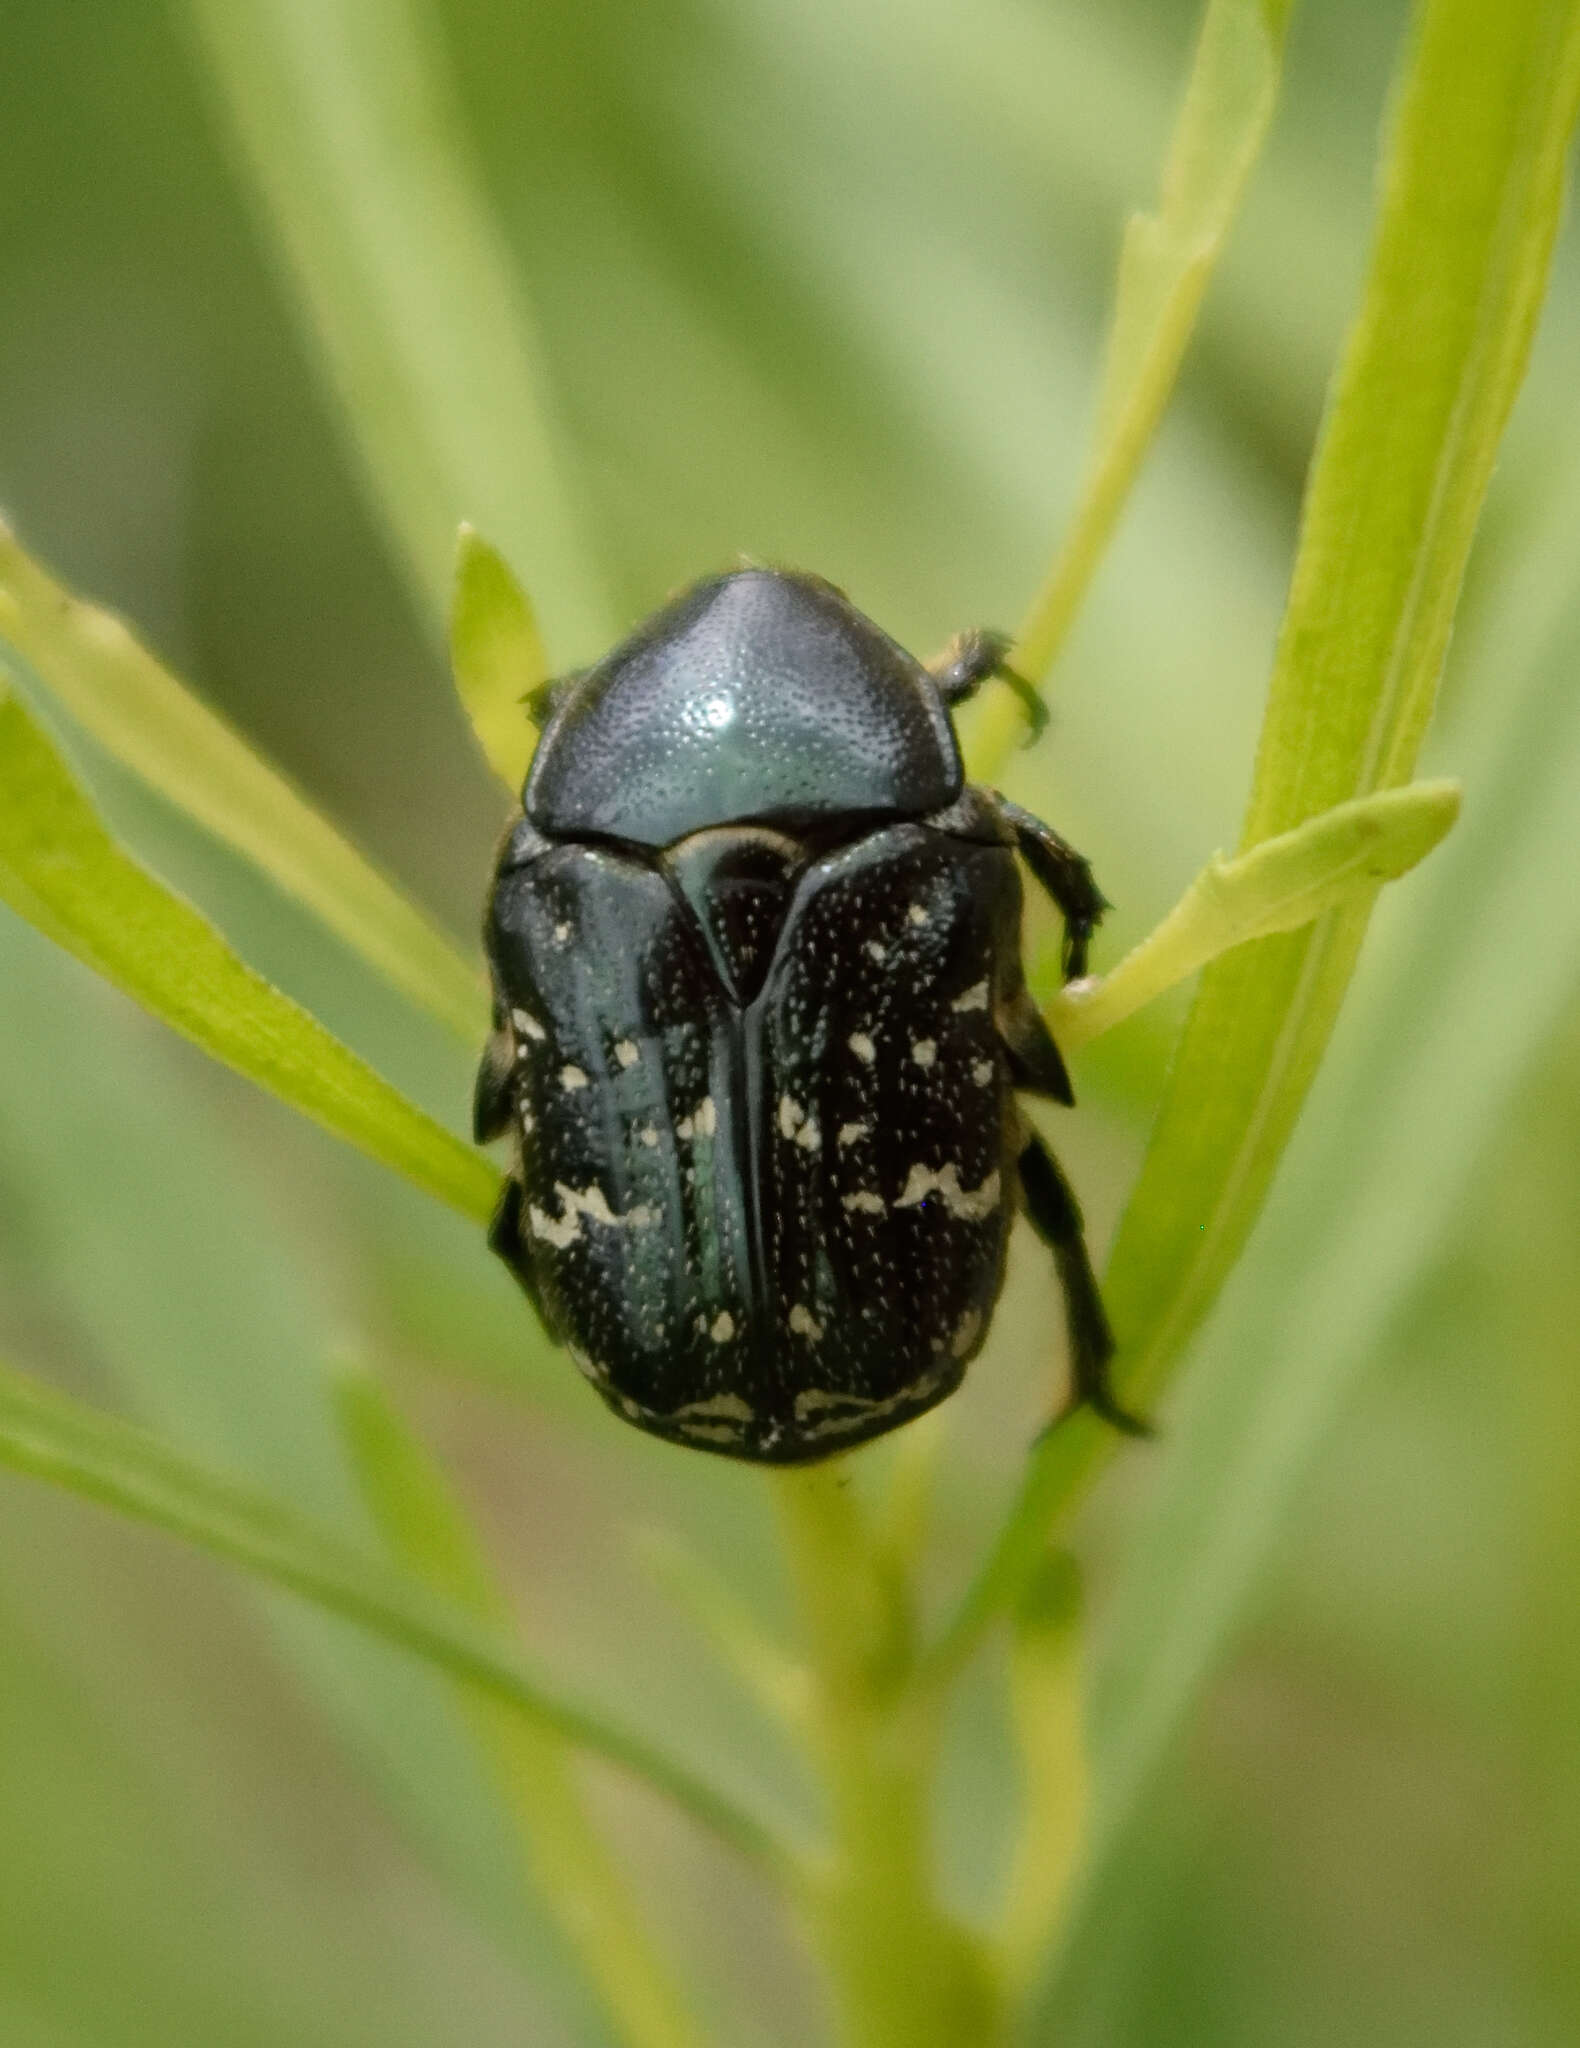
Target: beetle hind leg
<point>504,1241</point>
<point>491,1099</point>
<point>1055,1215</point>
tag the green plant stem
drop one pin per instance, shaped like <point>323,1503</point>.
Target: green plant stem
<point>1470,206</point>
<point>1165,265</point>
<point>906,1974</point>
<point>1046,1696</point>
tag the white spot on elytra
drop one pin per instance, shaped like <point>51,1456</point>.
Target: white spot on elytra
<point>924,1051</point>
<point>575,1203</point>
<point>862,1046</point>
<point>975,998</point>
<point>966,1335</point>
<point>702,1122</point>
<point>815,1399</point>
<point>561,933</point>
<point>723,1327</point>
<point>917,913</point>
<point>982,1072</point>
<point>572,1078</point>
<point>588,1367</point>
<point>797,1126</point>
<point>528,1121</point>
<point>864,1199</point>
<point>527,1025</point>
<point>842,1413</point>
<point>969,1204</point>
<point>648,1134</point>
<point>852,1134</point>
<point>876,950</point>
<point>723,1407</point>
<point>558,1231</point>
<point>804,1323</point>
<point>627,1052</point>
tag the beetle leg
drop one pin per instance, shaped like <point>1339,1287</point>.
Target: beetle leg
<point>968,661</point>
<point>491,1092</point>
<point>1035,1061</point>
<point>1065,874</point>
<point>504,1241</point>
<point>1053,1212</point>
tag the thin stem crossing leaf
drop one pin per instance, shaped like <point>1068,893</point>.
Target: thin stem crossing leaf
<point>1165,264</point>
<point>575,1875</point>
<point>346,122</point>
<point>50,1436</point>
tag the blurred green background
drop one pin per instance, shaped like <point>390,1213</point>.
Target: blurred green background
<point>823,284</point>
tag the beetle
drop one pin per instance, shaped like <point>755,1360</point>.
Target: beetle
<point>760,1017</point>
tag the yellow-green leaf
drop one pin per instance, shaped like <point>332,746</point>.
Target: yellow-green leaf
<point>62,871</point>
<point>495,654</point>
<point>152,723</point>
<point>1278,886</point>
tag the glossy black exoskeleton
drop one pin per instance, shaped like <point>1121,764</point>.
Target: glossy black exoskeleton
<point>760,1018</point>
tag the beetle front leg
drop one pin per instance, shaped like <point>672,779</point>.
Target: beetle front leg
<point>968,661</point>
<point>1055,1215</point>
<point>1065,874</point>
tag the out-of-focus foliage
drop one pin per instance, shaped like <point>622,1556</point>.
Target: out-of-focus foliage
<point>824,285</point>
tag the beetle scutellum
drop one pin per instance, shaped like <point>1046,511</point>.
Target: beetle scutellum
<point>760,1017</point>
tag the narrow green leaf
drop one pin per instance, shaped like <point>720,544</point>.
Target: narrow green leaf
<point>1165,263</point>
<point>496,655</point>
<point>1454,1018</point>
<point>50,1436</point>
<point>1470,206</point>
<point>153,724</point>
<point>577,1879</point>
<point>347,124</point>
<point>60,869</point>
<point>1278,886</point>
<point>1470,209</point>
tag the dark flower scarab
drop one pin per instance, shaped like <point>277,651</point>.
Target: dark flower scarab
<point>760,1018</point>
